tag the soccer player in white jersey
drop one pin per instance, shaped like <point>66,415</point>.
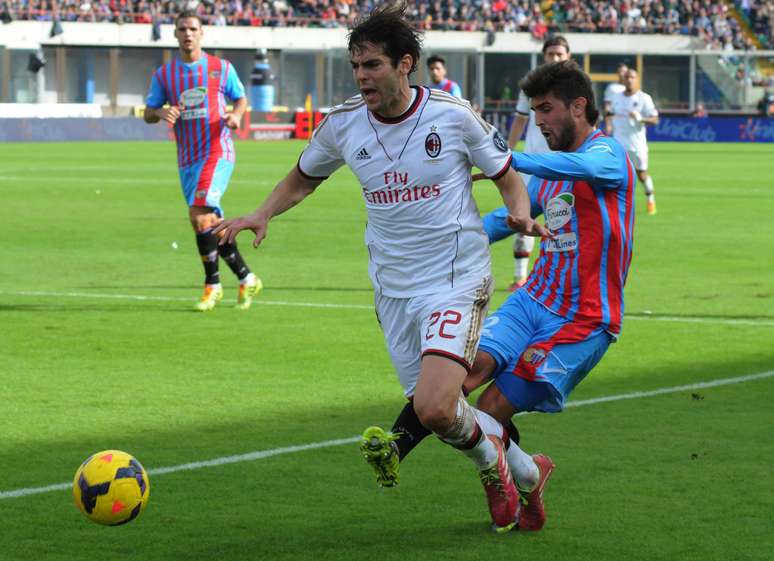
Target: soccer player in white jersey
<point>630,111</point>
<point>412,150</point>
<point>614,88</point>
<point>555,49</point>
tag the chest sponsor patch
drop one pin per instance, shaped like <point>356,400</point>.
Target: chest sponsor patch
<point>193,97</point>
<point>559,210</point>
<point>562,242</point>
<point>189,114</point>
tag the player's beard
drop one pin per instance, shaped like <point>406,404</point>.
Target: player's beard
<point>566,137</point>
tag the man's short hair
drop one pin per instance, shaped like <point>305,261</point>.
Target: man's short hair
<point>185,14</point>
<point>564,80</point>
<point>435,58</point>
<point>388,28</point>
<point>556,41</point>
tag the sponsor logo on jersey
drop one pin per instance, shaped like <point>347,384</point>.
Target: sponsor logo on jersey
<point>398,195</point>
<point>559,210</point>
<point>433,144</point>
<point>562,242</point>
<point>363,154</point>
<point>189,114</point>
<point>193,97</point>
<point>499,142</point>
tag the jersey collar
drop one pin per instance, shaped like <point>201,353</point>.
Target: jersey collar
<point>407,113</point>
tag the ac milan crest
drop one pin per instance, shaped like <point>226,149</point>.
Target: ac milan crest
<point>433,144</point>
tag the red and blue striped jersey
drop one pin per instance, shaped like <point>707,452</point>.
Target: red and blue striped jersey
<point>587,198</point>
<point>200,90</point>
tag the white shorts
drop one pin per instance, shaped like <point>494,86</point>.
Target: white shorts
<point>446,324</point>
<point>639,159</point>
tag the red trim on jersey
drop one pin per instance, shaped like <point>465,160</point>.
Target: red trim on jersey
<point>445,354</point>
<point>214,120</point>
<point>503,171</point>
<point>406,114</point>
<point>614,251</point>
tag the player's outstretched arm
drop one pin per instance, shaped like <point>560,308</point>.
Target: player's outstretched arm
<point>293,189</point>
<point>516,199</point>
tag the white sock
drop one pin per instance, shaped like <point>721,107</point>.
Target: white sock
<point>483,452</point>
<point>649,189</point>
<point>523,467</point>
<point>520,269</point>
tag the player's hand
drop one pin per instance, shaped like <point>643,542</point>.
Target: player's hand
<point>528,227</point>
<point>228,229</point>
<point>636,116</point>
<point>169,114</point>
<point>232,121</point>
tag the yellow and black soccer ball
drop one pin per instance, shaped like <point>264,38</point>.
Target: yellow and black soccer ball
<point>111,488</point>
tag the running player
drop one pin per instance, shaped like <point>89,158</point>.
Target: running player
<point>630,111</point>
<point>412,149</point>
<point>195,87</point>
<point>614,88</point>
<point>436,65</point>
<point>555,49</point>
<point>547,336</point>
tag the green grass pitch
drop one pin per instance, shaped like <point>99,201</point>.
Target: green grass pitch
<point>100,348</point>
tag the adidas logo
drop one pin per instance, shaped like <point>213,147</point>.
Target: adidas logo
<point>363,154</point>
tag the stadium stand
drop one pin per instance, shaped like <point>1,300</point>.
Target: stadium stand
<point>723,25</point>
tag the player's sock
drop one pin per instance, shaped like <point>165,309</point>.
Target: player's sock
<point>466,435</point>
<point>232,257</point>
<point>207,243</point>
<point>522,247</point>
<point>409,430</point>
<point>523,467</point>
<point>649,189</point>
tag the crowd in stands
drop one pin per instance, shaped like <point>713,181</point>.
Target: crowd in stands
<point>708,19</point>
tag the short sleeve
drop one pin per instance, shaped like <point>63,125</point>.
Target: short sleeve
<point>322,156</point>
<point>156,95</point>
<point>233,89</point>
<point>648,107</point>
<point>522,105</point>
<point>487,148</point>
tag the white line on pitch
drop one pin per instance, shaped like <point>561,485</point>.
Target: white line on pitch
<point>251,456</point>
<point>261,301</point>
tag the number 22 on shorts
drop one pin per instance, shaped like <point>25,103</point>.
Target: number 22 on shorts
<point>449,318</point>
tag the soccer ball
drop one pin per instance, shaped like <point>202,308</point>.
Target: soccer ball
<point>111,488</point>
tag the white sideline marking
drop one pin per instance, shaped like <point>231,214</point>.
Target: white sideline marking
<point>250,456</point>
<point>260,301</point>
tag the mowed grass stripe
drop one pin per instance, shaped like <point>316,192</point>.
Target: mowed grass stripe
<point>260,301</point>
<point>260,454</point>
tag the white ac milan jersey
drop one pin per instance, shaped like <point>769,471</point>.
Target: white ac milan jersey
<point>627,130</point>
<point>534,141</point>
<point>424,233</point>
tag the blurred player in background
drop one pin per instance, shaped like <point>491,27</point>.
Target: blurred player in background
<point>412,149</point>
<point>629,112</point>
<point>545,338</point>
<point>614,88</point>
<point>436,65</point>
<point>195,87</point>
<point>555,49</point>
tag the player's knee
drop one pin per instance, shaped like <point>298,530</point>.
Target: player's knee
<point>434,415</point>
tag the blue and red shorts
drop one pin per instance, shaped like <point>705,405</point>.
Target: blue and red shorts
<point>540,356</point>
<point>204,182</point>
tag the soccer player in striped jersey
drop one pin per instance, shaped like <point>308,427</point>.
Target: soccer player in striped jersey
<point>436,66</point>
<point>194,88</point>
<point>412,150</point>
<point>555,49</point>
<point>544,339</point>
